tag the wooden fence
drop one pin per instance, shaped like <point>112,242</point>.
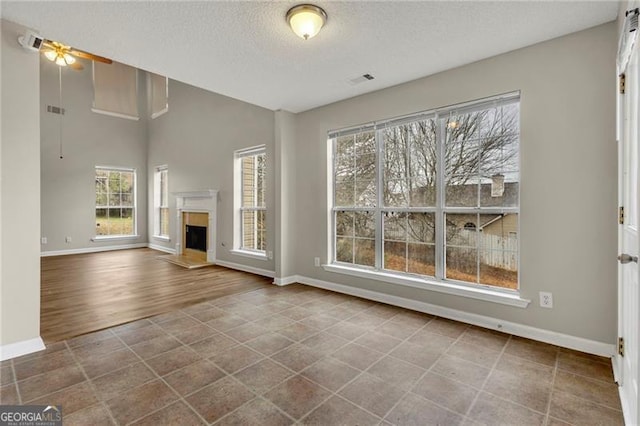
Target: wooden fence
<point>494,250</point>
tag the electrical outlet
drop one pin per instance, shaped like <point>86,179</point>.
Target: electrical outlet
<point>270,254</point>
<point>67,239</point>
<point>546,300</point>
<point>43,240</point>
<point>316,261</point>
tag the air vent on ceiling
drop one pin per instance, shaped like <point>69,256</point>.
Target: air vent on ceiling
<point>361,79</point>
<point>55,110</point>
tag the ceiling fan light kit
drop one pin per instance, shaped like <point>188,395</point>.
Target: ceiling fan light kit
<point>306,20</point>
<point>61,54</point>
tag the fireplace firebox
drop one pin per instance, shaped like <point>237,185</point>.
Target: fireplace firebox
<point>196,238</point>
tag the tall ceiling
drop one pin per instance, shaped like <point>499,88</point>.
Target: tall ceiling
<point>245,49</point>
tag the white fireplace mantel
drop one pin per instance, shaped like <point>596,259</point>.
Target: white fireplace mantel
<point>207,193</point>
<point>204,201</point>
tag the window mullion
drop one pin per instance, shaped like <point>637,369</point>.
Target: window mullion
<point>440,199</point>
<point>379,198</point>
<point>255,200</point>
<point>333,255</point>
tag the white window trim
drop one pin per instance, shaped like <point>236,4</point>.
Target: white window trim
<point>135,205</point>
<point>114,237</point>
<point>238,249</point>
<point>159,113</point>
<point>252,254</point>
<point>486,293</point>
<point>115,114</point>
<point>476,291</point>
<point>166,108</point>
<point>156,202</point>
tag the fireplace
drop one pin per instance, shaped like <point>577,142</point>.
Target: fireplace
<point>196,225</point>
<point>196,238</point>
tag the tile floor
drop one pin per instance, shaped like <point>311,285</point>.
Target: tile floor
<point>299,355</point>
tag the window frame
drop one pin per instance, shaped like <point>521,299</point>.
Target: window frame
<point>134,207</point>
<point>239,209</point>
<point>157,203</point>
<point>152,78</point>
<point>438,282</point>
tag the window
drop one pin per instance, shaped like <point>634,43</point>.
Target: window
<point>435,194</point>
<point>250,200</point>
<point>158,90</point>
<point>161,202</point>
<point>115,90</point>
<point>115,202</point>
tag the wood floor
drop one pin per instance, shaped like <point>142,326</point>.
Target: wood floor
<point>89,292</point>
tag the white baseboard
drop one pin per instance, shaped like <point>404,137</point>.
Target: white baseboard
<point>547,336</point>
<point>245,268</point>
<point>161,248</point>
<point>626,414</point>
<point>614,367</point>
<point>92,249</point>
<point>285,280</point>
<point>14,350</point>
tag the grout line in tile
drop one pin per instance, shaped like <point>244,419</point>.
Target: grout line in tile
<point>553,384</point>
<point>331,393</point>
<point>427,370</point>
<point>498,396</point>
<point>218,421</point>
<point>530,360</point>
<point>587,377</point>
<point>491,370</point>
<point>158,377</point>
<point>588,401</point>
<point>237,371</point>
<point>514,402</point>
<point>91,385</point>
<point>15,381</point>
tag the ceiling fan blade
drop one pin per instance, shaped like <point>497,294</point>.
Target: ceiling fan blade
<point>91,56</point>
<point>48,44</point>
<point>76,66</point>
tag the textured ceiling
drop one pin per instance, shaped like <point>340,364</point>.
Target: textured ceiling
<point>246,50</point>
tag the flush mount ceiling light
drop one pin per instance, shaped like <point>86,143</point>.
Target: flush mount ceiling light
<point>306,20</point>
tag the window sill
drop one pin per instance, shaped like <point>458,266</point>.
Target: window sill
<point>114,237</point>
<point>250,254</point>
<point>481,293</point>
<point>161,238</point>
<point>115,114</point>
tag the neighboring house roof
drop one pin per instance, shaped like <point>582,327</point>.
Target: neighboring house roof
<point>495,219</point>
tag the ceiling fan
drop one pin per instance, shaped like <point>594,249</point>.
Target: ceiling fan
<point>64,55</point>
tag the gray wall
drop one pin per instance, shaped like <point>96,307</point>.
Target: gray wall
<point>89,139</point>
<point>196,138</point>
<point>285,149</point>
<point>19,190</point>
<point>568,152</point>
